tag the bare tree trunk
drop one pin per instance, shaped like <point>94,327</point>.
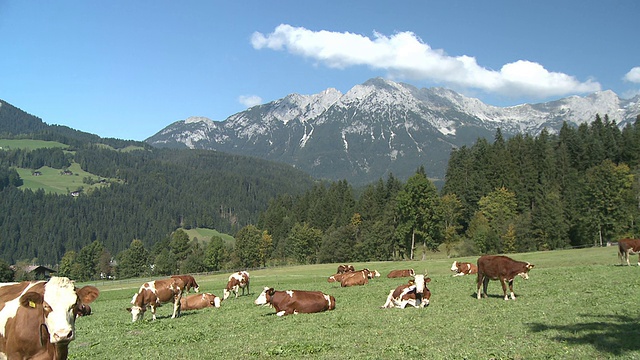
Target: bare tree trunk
<point>413,243</point>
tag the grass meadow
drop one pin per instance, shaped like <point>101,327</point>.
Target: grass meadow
<point>577,304</point>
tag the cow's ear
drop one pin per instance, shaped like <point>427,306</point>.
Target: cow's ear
<point>31,299</point>
<point>128,309</point>
<point>530,266</point>
<point>88,294</point>
<point>271,291</point>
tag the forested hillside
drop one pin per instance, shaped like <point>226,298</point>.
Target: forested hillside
<point>578,188</point>
<point>157,192</point>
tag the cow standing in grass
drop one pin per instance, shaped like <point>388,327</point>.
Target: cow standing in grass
<point>628,247</point>
<point>237,281</point>
<point>503,268</point>
<point>154,293</point>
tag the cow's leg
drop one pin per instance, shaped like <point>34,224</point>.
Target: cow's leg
<point>479,283</point>
<point>513,296</point>
<point>389,303</point>
<point>626,256</point>
<point>504,288</point>
<point>639,259</point>
<point>485,285</point>
<point>153,311</point>
<point>176,306</point>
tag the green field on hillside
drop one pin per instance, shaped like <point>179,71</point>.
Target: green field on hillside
<point>29,144</point>
<point>205,235</point>
<point>577,304</point>
<point>53,181</point>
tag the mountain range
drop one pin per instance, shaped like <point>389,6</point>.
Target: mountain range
<point>380,127</point>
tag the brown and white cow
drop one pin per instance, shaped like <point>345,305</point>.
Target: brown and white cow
<point>463,268</point>
<point>628,247</point>
<point>296,301</point>
<point>335,277</point>
<point>237,281</point>
<point>189,282</point>
<point>197,301</point>
<point>503,268</point>
<point>155,293</point>
<point>355,278</point>
<point>37,318</point>
<point>401,273</point>
<point>345,268</point>
<point>415,293</point>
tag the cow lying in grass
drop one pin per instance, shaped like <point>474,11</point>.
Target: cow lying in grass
<point>295,301</point>
<point>415,293</point>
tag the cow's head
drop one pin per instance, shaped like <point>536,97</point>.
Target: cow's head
<point>59,304</point>
<point>226,294</point>
<point>212,299</point>
<point>265,296</point>
<point>422,291</point>
<point>525,272</point>
<point>454,267</point>
<point>138,308</point>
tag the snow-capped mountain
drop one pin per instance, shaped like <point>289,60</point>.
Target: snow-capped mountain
<point>380,127</point>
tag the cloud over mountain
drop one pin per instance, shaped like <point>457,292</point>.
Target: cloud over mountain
<point>405,55</point>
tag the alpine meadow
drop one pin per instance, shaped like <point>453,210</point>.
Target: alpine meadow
<point>116,213</point>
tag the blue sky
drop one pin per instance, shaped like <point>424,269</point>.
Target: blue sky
<point>127,69</point>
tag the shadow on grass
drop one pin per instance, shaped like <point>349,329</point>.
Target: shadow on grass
<point>614,334</point>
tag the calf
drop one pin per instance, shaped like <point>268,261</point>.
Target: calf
<point>237,281</point>
<point>401,273</point>
<point>463,268</point>
<point>197,302</point>
<point>345,268</point>
<point>296,301</point>
<point>415,293</point>
<point>503,268</point>
<point>37,318</point>
<point>189,282</point>
<point>627,247</point>
<point>154,293</point>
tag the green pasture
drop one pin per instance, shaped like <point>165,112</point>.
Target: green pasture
<point>29,144</point>
<point>204,235</point>
<point>577,304</point>
<point>52,181</point>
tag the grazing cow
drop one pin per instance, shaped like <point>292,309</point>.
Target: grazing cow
<point>296,301</point>
<point>355,278</point>
<point>83,310</point>
<point>237,281</point>
<point>463,268</point>
<point>627,247</point>
<point>189,282</point>
<point>155,293</point>
<point>37,318</point>
<point>345,268</point>
<point>503,268</point>
<point>415,293</point>
<point>401,273</point>
<point>197,301</point>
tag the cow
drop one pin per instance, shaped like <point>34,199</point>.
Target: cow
<point>335,277</point>
<point>463,268</point>
<point>401,273</point>
<point>295,301</point>
<point>237,281</point>
<point>37,318</point>
<point>503,268</point>
<point>197,301</point>
<point>415,293</point>
<point>355,278</point>
<point>155,293</point>
<point>345,268</point>
<point>627,247</point>
<point>83,310</point>
<point>189,282</point>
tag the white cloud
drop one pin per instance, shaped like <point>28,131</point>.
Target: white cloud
<point>633,75</point>
<point>250,100</point>
<point>405,55</point>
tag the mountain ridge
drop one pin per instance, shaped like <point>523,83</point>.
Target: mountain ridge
<point>380,126</point>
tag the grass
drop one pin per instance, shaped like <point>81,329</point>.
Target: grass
<point>578,304</point>
<point>7,144</point>
<point>51,181</point>
<point>205,235</point>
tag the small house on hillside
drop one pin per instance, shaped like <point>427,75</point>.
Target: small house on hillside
<point>37,272</point>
